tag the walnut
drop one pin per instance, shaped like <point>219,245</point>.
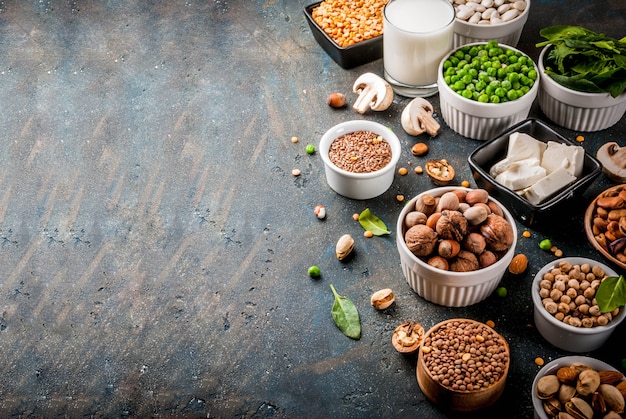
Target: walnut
<point>465,261</point>
<point>497,232</point>
<point>451,225</point>
<point>421,239</point>
<point>475,243</point>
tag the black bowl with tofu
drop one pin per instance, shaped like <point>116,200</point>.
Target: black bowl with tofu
<point>506,167</point>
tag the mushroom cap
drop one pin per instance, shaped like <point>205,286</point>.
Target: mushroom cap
<point>613,159</point>
<point>374,93</point>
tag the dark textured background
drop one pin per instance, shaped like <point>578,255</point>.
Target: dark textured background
<point>154,244</point>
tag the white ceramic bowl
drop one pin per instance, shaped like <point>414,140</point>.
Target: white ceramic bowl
<point>563,336</point>
<point>578,111</point>
<point>552,367</point>
<point>446,288</point>
<point>507,33</point>
<point>482,121</point>
<point>359,185</point>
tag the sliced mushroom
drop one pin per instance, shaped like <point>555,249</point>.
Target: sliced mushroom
<point>417,118</point>
<point>613,159</point>
<point>374,93</point>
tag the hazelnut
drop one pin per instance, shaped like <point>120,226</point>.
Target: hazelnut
<point>448,248</point>
<point>475,243</point>
<point>336,100</point>
<point>419,149</point>
<point>487,258</point>
<point>439,263</point>
<point>421,239</point>
<point>464,262</point>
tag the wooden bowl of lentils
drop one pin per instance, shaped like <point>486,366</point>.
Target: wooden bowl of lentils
<point>462,365</point>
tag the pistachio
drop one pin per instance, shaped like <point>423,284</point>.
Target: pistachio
<point>382,299</point>
<point>613,398</point>
<point>547,386</point>
<point>344,247</point>
<point>407,337</point>
<point>552,407</point>
<point>588,382</point>
<point>579,408</point>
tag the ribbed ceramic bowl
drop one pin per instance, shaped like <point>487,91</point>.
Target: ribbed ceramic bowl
<point>481,121</point>
<point>460,401</point>
<point>359,185</point>
<point>552,367</point>
<point>577,111</point>
<point>563,336</point>
<point>507,33</point>
<point>446,288</point>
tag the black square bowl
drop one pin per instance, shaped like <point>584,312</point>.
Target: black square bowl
<point>492,151</point>
<point>347,57</point>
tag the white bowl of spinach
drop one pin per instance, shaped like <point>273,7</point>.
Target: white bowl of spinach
<point>583,87</point>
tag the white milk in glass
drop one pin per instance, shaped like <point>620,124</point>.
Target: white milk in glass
<point>417,34</point>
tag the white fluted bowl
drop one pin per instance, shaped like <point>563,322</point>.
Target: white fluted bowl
<point>574,110</point>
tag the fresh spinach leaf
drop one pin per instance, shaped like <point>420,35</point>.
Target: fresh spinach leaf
<point>584,60</point>
<point>346,316</point>
<point>611,293</point>
<point>372,223</point>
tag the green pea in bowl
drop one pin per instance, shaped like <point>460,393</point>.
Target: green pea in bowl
<point>485,88</point>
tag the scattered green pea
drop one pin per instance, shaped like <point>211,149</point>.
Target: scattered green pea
<point>314,271</point>
<point>489,73</point>
<point>310,149</point>
<point>545,244</point>
<point>501,291</point>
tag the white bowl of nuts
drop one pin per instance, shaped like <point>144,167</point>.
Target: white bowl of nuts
<point>360,158</point>
<point>566,312</point>
<point>484,20</point>
<point>455,244</point>
<point>578,384</point>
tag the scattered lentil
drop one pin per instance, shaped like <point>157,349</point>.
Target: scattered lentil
<point>465,184</point>
<point>294,139</point>
<point>490,323</point>
<point>368,234</point>
<point>580,138</point>
<point>539,361</point>
<point>526,233</point>
<point>296,172</point>
<point>355,217</point>
<point>402,171</point>
<point>400,198</point>
<point>360,152</point>
<point>419,170</point>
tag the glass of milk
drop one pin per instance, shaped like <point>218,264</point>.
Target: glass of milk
<point>417,34</point>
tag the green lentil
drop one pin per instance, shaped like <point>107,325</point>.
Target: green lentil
<point>489,73</point>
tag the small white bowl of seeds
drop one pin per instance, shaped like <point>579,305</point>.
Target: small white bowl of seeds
<point>360,158</point>
<point>565,309</point>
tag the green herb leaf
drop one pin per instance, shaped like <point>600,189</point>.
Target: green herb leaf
<point>611,293</point>
<point>584,60</point>
<point>346,316</point>
<point>372,223</point>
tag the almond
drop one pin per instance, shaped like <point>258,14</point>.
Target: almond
<point>621,386</point>
<point>610,377</point>
<point>518,264</point>
<point>567,375</point>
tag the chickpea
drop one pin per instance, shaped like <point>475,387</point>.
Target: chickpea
<point>580,300</point>
<point>556,294</point>
<point>563,307</point>
<point>594,310</point>
<point>565,299</point>
<point>589,293</point>
<point>603,320</point>
<point>587,322</point>
<point>559,285</point>
<point>598,271</point>
<point>571,293</point>
<point>545,284</point>
<point>585,268</point>
<point>573,284</point>
<point>544,293</point>
<point>584,308</point>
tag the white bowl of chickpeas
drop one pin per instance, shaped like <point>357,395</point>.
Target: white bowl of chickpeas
<point>565,311</point>
<point>485,20</point>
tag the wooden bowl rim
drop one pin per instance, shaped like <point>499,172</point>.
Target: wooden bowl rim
<point>588,220</point>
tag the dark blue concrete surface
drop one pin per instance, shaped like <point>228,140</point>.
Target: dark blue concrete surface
<point>154,244</point>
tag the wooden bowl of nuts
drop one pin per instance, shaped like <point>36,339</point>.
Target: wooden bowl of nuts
<point>577,384</point>
<point>605,224</point>
<point>566,312</point>
<point>462,365</point>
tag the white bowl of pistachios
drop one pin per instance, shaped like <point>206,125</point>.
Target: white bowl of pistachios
<point>485,20</point>
<point>566,312</point>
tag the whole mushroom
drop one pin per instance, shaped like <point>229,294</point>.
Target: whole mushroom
<point>417,118</point>
<point>374,93</point>
<point>613,159</point>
